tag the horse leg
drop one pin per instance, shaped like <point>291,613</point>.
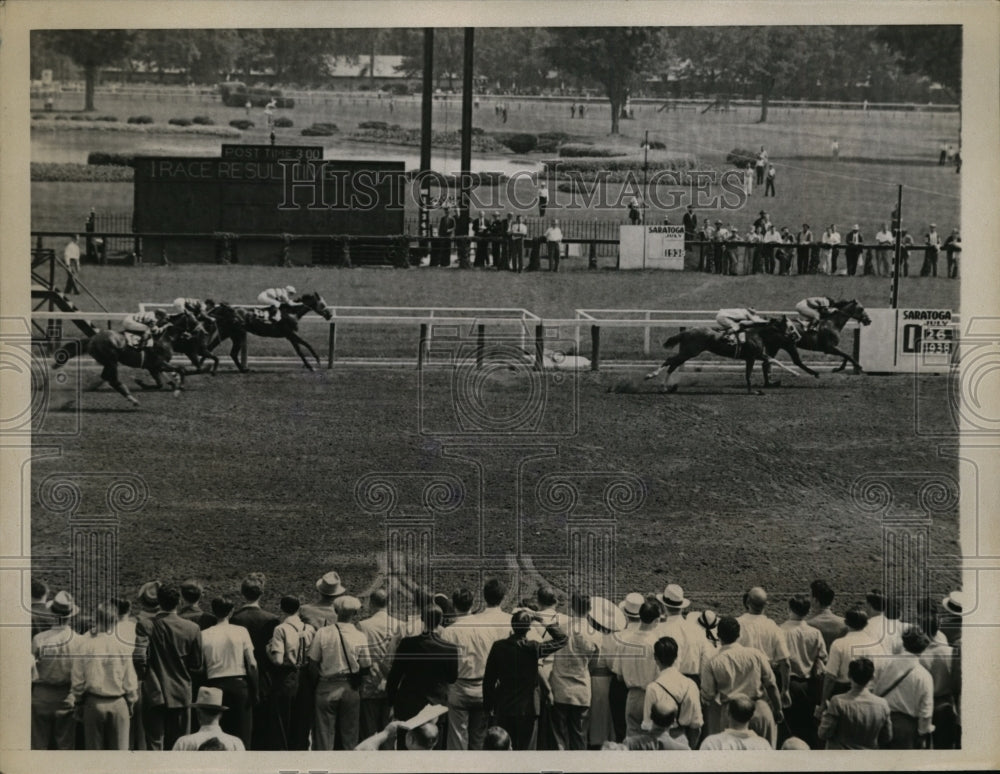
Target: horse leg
<point>846,359</point>
<point>671,388</point>
<point>110,375</point>
<point>296,342</point>
<point>239,343</point>
<point>749,372</point>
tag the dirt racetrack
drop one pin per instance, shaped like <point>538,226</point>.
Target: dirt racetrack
<point>258,472</point>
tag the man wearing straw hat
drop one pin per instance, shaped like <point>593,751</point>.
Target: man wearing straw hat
<point>635,664</point>
<point>209,709</point>
<point>52,725</point>
<point>618,692</point>
<point>692,645</point>
<point>570,678</point>
<point>607,619</point>
<point>321,613</point>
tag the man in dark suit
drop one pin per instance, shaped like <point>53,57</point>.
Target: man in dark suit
<point>854,249</point>
<point>480,229</point>
<point>496,231</point>
<point>261,624</point>
<point>690,221</point>
<point>167,655</point>
<point>422,669</point>
<point>442,248</point>
<point>191,591</point>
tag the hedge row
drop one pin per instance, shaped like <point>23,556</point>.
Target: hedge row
<point>103,159</point>
<point>79,173</point>
<point>741,158</point>
<point>674,162</point>
<point>586,150</point>
<point>481,179</point>
<point>322,129</point>
<point>480,142</point>
<point>242,124</point>
<point>283,122</point>
<point>109,126</point>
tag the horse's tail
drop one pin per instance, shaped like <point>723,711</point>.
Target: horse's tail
<point>673,340</point>
<point>67,352</point>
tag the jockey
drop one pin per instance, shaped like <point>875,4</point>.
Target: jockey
<point>194,309</point>
<point>814,309</point>
<point>145,325</point>
<point>733,321</point>
<point>275,298</point>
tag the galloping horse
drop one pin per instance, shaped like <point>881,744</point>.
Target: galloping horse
<point>196,341</point>
<point>760,338</point>
<point>825,336</point>
<point>234,324</point>
<point>111,349</point>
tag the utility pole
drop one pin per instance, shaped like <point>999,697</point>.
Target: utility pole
<point>425,137</point>
<point>465,181</point>
<point>645,167</point>
<point>894,292</point>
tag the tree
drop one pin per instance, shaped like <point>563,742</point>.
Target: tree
<point>934,51</point>
<point>91,50</point>
<point>611,56</point>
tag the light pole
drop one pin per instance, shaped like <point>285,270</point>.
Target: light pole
<point>645,168</point>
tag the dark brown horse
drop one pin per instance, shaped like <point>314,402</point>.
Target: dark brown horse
<point>112,349</point>
<point>777,332</point>
<point>825,336</point>
<point>196,339</point>
<point>235,323</point>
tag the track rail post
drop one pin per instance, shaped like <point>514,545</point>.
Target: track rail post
<point>595,347</point>
<point>331,352</point>
<point>422,346</point>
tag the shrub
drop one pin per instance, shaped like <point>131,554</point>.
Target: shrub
<point>180,121</point>
<point>575,186</point>
<point>242,124</point>
<point>741,158</point>
<point>549,142</point>
<point>322,129</point>
<point>140,119</point>
<point>380,125</point>
<point>518,142</point>
<point>583,150</point>
<point>203,121</point>
<point>79,173</point>
<point>282,122</point>
<point>102,158</point>
<point>62,117</point>
<point>109,119</point>
<point>656,145</point>
<point>80,117</point>
<point>399,88</point>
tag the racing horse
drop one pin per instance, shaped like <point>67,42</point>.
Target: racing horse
<point>111,349</point>
<point>196,341</point>
<point>777,332</point>
<point>235,323</point>
<point>825,335</point>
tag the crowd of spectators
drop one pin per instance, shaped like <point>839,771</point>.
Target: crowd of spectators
<point>764,248</point>
<point>415,670</point>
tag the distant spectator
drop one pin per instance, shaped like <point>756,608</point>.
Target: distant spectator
<point>543,189</point>
<point>857,642</point>
<point>828,253</point>
<point>553,244</point>
<point>690,221</point>
<point>933,248</point>
<point>71,255</point>
<point>906,243</point>
<point>737,735</point>
<point>769,185</point>
<point>885,241</point>
<point>855,241</point>
<point>760,166</point>
<point>953,248</point>
<point>804,248</point>
<point>835,148</point>
<point>518,236</point>
<point>857,719</point>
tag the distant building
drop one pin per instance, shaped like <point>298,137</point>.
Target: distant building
<point>354,72</point>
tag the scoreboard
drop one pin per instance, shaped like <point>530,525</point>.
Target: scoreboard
<point>909,341</point>
<point>261,189</point>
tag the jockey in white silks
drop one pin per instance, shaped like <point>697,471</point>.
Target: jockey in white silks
<point>733,321</point>
<point>813,309</point>
<point>144,325</point>
<point>274,298</point>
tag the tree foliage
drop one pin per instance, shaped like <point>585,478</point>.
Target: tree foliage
<point>614,57</point>
<point>91,50</point>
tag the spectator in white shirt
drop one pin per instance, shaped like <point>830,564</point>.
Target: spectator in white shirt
<point>634,662</point>
<point>692,645</point>
<point>570,678</point>
<point>857,643</point>
<point>759,631</point>
<point>553,244</point>
<point>682,691</point>
<point>231,667</point>
<point>828,253</point>
<point>884,240</point>
<point>909,689</point>
<point>209,709</point>
<point>806,659</point>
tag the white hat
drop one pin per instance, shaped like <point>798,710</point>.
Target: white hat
<point>606,614</point>
<point>210,698</point>
<point>956,602</point>
<point>673,597</point>
<point>631,604</point>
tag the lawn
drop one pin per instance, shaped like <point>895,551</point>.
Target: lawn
<point>879,150</point>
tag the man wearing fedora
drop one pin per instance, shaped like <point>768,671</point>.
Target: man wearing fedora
<point>209,708</point>
<point>339,659</point>
<point>261,624</point>
<point>104,684</point>
<point>321,612</point>
<point>167,657</point>
<point>692,645</point>
<point>52,723</point>
<point>617,691</point>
